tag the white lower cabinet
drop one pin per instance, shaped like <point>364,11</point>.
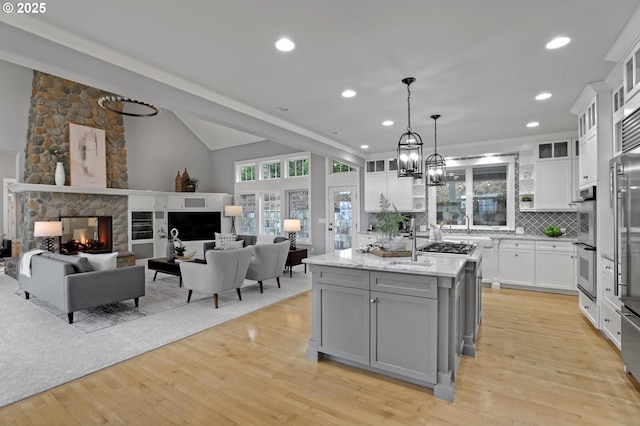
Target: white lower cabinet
<point>555,265</point>
<point>589,308</point>
<point>517,262</point>
<point>488,265</point>
<point>611,321</point>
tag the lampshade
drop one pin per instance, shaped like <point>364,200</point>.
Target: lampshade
<point>233,210</point>
<point>291,225</point>
<point>409,155</point>
<point>47,229</point>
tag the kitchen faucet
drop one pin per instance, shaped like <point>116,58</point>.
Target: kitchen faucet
<point>414,246</point>
<point>468,220</point>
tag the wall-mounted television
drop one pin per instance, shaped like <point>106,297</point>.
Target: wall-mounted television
<point>194,226</point>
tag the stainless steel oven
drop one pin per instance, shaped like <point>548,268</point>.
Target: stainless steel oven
<point>587,216</point>
<point>586,269</point>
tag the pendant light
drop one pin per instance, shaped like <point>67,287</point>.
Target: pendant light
<point>409,154</point>
<point>435,165</point>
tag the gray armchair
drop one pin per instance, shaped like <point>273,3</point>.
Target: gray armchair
<point>268,262</point>
<point>224,271</point>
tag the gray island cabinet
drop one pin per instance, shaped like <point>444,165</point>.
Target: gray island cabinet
<point>408,320</point>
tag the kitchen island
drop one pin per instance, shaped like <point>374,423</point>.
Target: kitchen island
<point>404,319</point>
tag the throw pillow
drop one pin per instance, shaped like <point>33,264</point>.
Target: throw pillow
<point>80,264</point>
<point>233,245</point>
<point>102,261</point>
<point>264,239</point>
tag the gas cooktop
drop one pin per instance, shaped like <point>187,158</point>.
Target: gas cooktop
<point>448,248</point>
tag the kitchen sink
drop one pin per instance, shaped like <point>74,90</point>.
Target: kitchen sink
<point>420,263</point>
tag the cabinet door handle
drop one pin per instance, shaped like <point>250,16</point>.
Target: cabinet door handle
<point>373,300</point>
<point>607,320</point>
<point>607,289</point>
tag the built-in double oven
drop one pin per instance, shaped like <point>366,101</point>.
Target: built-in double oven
<point>586,242</point>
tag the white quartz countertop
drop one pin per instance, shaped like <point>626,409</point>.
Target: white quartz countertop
<point>462,237</point>
<point>436,265</point>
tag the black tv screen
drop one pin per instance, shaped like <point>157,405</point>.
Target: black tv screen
<point>195,225</point>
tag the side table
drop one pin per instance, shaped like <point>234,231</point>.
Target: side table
<point>295,258</point>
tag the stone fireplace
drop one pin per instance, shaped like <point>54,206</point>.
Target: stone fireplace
<point>41,205</point>
<point>56,102</point>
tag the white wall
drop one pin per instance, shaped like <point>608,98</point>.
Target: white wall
<point>15,99</point>
<point>158,147</point>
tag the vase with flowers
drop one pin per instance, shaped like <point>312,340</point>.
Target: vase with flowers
<point>59,175</point>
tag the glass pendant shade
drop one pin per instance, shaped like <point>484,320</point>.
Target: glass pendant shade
<point>436,170</point>
<point>409,155</point>
<point>435,164</point>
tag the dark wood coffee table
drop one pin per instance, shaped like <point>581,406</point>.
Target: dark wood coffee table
<point>161,264</point>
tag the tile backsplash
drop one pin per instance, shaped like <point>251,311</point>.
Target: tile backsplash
<point>534,223</point>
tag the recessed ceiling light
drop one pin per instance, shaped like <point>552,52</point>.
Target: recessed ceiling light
<point>364,146</point>
<point>533,124</point>
<point>387,123</point>
<point>542,96</point>
<point>348,93</point>
<point>558,42</point>
<point>285,45</point>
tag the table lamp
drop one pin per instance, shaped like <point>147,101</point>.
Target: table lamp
<point>291,226</point>
<point>47,230</point>
<point>233,211</point>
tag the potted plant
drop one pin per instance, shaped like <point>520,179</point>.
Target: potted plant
<point>387,224</point>
<point>180,250</point>
<point>190,184</point>
<point>526,202</point>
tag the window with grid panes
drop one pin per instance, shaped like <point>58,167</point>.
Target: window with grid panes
<point>339,167</point>
<point>298,167</point>
<point>271,213</point>
<point>298,206</point>
<point>248,218</point>
<point>271,170</point>
<point>247,173</point>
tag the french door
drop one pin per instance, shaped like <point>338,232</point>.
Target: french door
<point>342,218</point>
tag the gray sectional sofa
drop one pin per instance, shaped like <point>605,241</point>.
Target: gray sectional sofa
<point>62,281</point>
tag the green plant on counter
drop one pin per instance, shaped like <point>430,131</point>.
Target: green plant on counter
<point>526,198</point>
<point>552,231</point>
<point>387,221</point>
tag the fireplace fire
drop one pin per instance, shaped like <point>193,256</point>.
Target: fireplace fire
<point>90,234</point>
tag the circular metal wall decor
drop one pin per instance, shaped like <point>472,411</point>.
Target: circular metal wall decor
<point>130,107</point>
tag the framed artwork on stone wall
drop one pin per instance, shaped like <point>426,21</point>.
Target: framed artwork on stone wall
<point>87,156</point>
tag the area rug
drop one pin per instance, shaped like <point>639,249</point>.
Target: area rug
<point>160,295</point>
<point>39,350</point>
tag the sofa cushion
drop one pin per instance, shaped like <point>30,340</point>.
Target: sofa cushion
<point>80,264</point>
<point>102,261</point>
<point>233,245</point>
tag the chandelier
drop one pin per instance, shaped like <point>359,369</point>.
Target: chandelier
<point>410,144</point>
<point>435,165</point>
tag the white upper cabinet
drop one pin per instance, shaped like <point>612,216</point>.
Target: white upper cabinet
<point>554,180</point>
<point>593,110</point>
<point>381,177</point>
<point>617,103</point>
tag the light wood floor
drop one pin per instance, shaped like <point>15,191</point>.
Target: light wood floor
<point>539,362</point>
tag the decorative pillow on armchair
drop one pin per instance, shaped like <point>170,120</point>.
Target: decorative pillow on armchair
<point>102,261</point>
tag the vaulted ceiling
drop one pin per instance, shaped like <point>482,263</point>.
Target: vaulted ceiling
<point>477,63</point>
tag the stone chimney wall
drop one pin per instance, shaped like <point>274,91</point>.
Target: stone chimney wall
<point>56,102</point>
